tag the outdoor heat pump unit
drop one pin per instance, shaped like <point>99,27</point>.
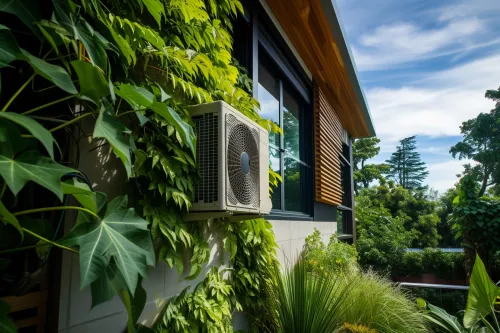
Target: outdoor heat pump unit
<point>233,162</point>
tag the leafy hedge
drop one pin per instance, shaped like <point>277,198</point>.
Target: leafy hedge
<point>445,265</point>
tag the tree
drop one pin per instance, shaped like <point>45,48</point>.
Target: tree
<point>364,174</point>
<point>444,211</point>
<point>481,143</point>
<point>405,165</point>
<point>415,208</point>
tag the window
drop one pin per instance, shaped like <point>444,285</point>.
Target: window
<point>344,212</point>
<point>281,104</point>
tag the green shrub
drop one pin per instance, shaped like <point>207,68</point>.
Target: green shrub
<point>378,304</point>
<point>453,301</point>
<point>444,264</point>
<point>337,257</point>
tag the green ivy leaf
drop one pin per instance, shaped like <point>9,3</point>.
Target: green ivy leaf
<point>137,97</point>
<point>231,245</point>
<point>53,73</point>
<point>9,49</point>
<point>92,82</point>
<point>82,192</point>
<point>185,130</point>
<point>32,126</point>
<point>114,131</point>
<point>155,8</point>
<point>121,237</point>
<point>82,31</point>
<point>6,324</point>
<point>27,11</point>
<point>8,218</point>
<point>31,166</point>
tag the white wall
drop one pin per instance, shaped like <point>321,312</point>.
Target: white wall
<point>290,236</point>
<point>107,174</point>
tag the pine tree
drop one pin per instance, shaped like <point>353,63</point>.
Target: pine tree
<point>406,167</point>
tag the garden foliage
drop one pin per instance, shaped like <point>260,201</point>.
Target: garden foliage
<point>131,67</point>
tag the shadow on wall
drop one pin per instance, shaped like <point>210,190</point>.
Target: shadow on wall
<point>107,174</point>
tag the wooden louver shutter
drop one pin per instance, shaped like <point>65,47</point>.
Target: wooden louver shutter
<point>327,149</point>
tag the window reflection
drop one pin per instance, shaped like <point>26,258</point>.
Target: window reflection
<point>291,182</point>
<point>274,160</point>
<point>268,95</point>
<point>291,124</point>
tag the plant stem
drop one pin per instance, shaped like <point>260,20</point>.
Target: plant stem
<point>48,209</point>
<point>131,111</point>
<point>71,121</point>
<point>9,102</point>
<point>2,191</point>
<point>74,120</point>
<point>126,299</point>
<point>48,104</point>
<point>23,248</point>
<point>49,241</point>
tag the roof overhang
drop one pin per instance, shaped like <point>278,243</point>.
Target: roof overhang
<point>314,28</point>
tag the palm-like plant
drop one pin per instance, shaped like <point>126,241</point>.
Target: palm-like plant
<point>304,302</point>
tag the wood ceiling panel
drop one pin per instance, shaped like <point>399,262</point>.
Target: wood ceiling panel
<point>307,27</point>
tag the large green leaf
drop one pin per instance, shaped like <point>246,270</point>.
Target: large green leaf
<point>82,192</point>
<point>443,319</point>
<point>9,50</point>
<point>83,32</point>
<point>27,11</point>
<point>32,126</point>
<point>31,166</point>
<point>53,73</point>
<point>114,131</point>
<point>137,97</point>
<point>6,324</point>
<point>92,82</point>
<point>121,237</point>
<point>8,218</point>
<point>482,295</point>
<point>184,129</point>
<point>156,8</point>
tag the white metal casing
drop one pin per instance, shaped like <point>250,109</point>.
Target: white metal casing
<point>221,111</point>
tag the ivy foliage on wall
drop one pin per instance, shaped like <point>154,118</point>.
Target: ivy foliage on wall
<point>133,66</point>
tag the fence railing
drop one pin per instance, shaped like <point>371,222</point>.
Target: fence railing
<point>452,298</point>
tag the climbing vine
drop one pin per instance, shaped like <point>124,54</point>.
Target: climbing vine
<point>133,66</point>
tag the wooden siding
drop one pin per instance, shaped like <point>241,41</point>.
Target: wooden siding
<point>307,27</point>
<point>327,150</point>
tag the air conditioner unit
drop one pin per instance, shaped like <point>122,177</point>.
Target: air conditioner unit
<point>233,162</point>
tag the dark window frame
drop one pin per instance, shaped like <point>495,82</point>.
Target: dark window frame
<point>266,44</point>
<point>348,229</point>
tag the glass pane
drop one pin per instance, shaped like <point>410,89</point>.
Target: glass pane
<point>274,161</point>
<point>269,98</point>
<point>291,123</point>
<point>340,222</point>
<point>291,182</point>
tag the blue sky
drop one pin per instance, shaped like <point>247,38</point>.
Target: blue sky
<point>424,66</point>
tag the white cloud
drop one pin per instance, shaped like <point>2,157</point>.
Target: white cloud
<point>402,43</point>
<point>436,105</point>
<point>443,175</point>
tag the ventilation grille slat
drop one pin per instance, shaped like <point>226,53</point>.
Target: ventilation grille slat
<point>207,145</point>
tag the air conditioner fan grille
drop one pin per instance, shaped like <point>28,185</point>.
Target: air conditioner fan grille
<point>242,163</point>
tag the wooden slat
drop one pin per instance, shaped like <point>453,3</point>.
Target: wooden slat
<point>328,147</point>
<point>33,300</point>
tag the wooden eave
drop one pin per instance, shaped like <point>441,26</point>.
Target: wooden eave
<point>315,31</point>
